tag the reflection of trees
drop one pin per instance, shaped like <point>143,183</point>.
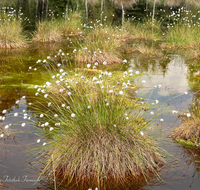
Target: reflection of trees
<point>153,65</point>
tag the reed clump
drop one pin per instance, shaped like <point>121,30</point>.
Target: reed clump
<point>91,135</point>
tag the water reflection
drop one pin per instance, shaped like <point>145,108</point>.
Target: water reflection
<point>170,78</point>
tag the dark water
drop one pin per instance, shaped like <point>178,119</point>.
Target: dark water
<point>169,77</point>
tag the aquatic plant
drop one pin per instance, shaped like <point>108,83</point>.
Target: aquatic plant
<point>11,31</point>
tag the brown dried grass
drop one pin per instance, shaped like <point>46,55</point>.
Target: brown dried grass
<point>89,57</point>
<point>189,130</point>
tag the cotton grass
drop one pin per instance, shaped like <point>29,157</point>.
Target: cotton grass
<point>93,137</point>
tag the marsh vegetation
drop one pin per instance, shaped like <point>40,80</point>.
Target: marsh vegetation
<point>90,124</point>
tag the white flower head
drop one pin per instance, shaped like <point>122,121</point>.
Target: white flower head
<point>44,144</point>
<point>55,115</point>
<point>46,124</point>
<point>110,91</point>
<point>49,104</point>
<point>51,129</point>
<point>143,81</point>
<point>188,115</point>
<point>38,140</point>
<point>41,115</point>
<point>157,101</point>
<point>23,124</point>
<point>15,114</point>
<point>125,61</point>
<point>73,115</point>
<point>151,112</point>
<point>7,126</point>
<point>121,92</point>
<point>104,63</point>
<point>48,83</point>
<point>4,111</point>
<point>63,105</point>
<point>46,95</point>
<point>161,120</point>
<point>141,133</point>
<point>1,135</point>
<point>137,72</point>
<point>88,66</point>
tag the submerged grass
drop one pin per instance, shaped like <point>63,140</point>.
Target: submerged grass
<point>90,135</point>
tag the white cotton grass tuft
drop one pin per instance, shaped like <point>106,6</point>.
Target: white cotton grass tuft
<point>73,115</point>
<point>23,124</point>
<point>2,135</point>
<point>16,114</point>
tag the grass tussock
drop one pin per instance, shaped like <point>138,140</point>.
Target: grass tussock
<point>99,45</point>
<point>146,30</point>
<point>11,33</point>
<point>182,36</point>
<point>94,137</point>
<point>188,134</point>
<point>72,25</point>
<point>48,31</point>
<point>148,51</point>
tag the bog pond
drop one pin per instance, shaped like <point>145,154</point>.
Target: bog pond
<point>169,79</point>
